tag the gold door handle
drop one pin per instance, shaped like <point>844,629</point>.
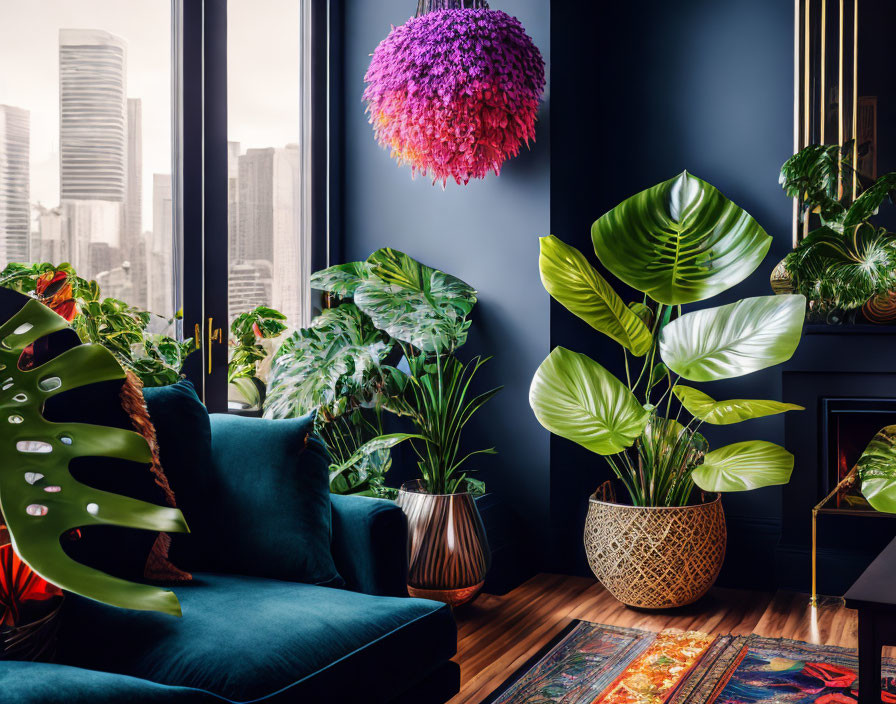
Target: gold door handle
<point>214,335</point>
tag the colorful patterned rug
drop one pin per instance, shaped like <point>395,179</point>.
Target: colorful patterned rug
<point>589,663</point>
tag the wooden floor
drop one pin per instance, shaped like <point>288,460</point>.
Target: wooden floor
<point>497,634</point>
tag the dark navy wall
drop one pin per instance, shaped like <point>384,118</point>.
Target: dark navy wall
<point>642,90</point>
<point>486,233</point>
<point>638,91</point>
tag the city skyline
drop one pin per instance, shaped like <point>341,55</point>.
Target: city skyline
<point>111,213</point>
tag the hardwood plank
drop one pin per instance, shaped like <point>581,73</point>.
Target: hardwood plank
<point>498,634</point>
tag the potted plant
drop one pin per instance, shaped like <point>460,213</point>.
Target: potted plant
<point>391,305</point>
<point>678,242</point>
<point>251,336</point>
<point>846,267</point>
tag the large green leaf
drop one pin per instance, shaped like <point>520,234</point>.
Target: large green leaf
<point>868,203</point>
<point>413,303</point>
<point>576,285</point>
<point>843,270</point>
<point>39,498</point>
<point>680,241</point>
<point>877,470</point>
<point>377,444</point>
<point>735,339</point>
<point>813,174</point>
<point>337,364</point>
<point>575,397</point>
<point>735,410</point>
<point>341,279</point>
<point>744,466</point>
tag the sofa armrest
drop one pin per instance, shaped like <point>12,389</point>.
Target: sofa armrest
<point>370,542</point>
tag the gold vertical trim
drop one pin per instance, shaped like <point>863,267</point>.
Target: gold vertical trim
<point>822,115</point>
<point>855,97</point>
<point>806,63</point>
<point>840,139</point>
<point>796,103</point>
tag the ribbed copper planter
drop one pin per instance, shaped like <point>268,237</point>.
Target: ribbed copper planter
<point>448,553</point>
<point>655,557</point>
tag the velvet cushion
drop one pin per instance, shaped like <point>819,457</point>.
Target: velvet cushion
<point>184,437</point>
<point>270,501</point>
<point>370,538</point>
<point>245,638</point>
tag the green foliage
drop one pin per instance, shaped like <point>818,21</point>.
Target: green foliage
<point>678,242</point>
<point>338,367</point>
<point>439,404</point>
<point>247,331</point>
<point>39,498</point>
<point>846,260</point>
<point>877,470</point>
<point>124,330</point>
<point>737,410</point>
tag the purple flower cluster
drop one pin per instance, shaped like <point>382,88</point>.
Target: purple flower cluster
<point>453,93</point>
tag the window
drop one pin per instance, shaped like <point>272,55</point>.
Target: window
<point>85,143</point>
<point>268,262</point>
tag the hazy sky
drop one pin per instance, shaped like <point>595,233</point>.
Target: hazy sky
<point>263,70</point>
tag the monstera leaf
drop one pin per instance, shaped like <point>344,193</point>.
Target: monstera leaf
<point>680,241</point>
<point>39,498</point>
<point>341,280</point>
<point>734,340</point>
<point>702,406</point>
<point>877,470</point>
<point>336,364</point>
<point>744,466</point>
<point>415,304</point>
<point>575,397</point>
<point>577,286</point>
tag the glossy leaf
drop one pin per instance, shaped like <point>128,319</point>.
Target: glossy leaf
<point>704,407</point>
<point>339,358</point>
<point>340,280</point>
<point>377,444</point>
<point>744,466</point>
<point>575,397</point>
<point>735,339</point>
<point>415,304</point>
<point>36,518</point>
<point>680,241</point>
<point>579,288</point>
<point>877,470</point>
<point>868,203</point>
<point>843,270</point>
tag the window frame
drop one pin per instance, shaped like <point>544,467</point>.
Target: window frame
<point>200,176</point>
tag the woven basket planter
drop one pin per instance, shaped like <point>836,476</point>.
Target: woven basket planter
<point>654,558</point>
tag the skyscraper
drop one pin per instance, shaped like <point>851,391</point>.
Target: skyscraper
<point>158,250</point>
<point>255,235</point>
<point>132,247</point>
<point>15,180</point>
<point>287,285</point>
<point>93,145</point>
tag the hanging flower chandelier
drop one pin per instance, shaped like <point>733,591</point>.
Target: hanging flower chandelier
<point>455,91</point>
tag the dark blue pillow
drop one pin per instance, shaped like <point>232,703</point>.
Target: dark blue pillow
<point>271,496</point>
<point>184,437</point>
<point>255,492</point>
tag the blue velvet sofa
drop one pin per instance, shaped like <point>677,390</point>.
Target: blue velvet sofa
<point>246,638</point>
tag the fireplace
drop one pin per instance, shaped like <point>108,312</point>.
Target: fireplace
<point>844,409</point>
<point>847,426</point>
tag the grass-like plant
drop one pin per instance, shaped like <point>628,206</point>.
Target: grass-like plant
<point>678,242</point>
